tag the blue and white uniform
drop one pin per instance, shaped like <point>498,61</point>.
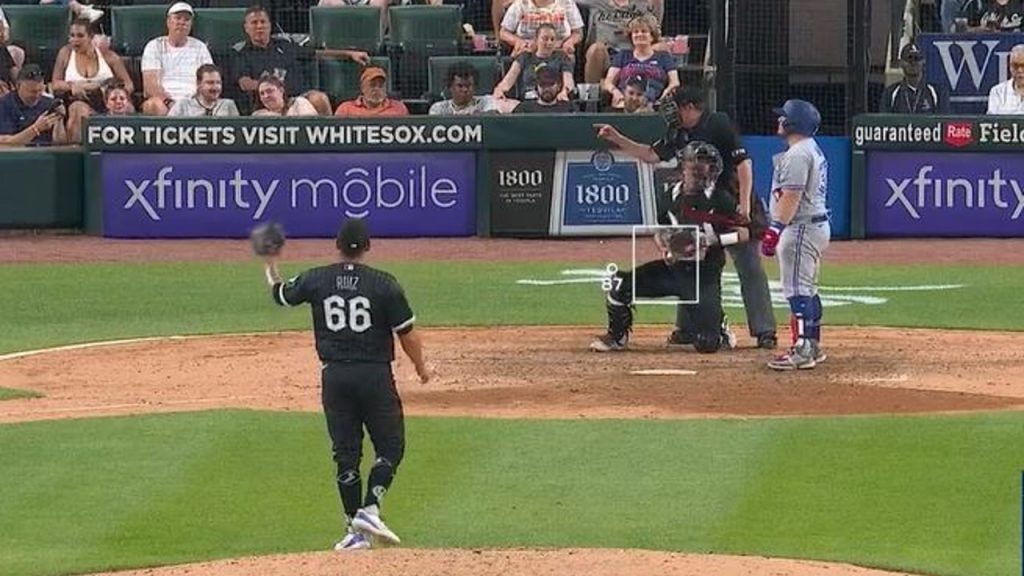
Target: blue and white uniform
<point>801,170</point>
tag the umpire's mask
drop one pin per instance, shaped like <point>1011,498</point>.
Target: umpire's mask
<point>701,165</point>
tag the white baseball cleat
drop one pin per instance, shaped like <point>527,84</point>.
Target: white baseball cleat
<point>369,523</point>
<point>353,541</point>
<point>609,343</point>
<point>803,356</point>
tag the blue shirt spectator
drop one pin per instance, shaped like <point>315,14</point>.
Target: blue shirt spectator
<point>27,117</point>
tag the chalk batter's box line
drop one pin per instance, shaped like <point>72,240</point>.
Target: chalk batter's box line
<point>656,301</point>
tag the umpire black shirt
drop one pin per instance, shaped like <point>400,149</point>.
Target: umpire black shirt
<point>279,57</point>
<point>716,129</point>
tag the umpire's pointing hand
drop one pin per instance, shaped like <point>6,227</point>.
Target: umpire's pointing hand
<point>424,373</point>
<point>608,132</point>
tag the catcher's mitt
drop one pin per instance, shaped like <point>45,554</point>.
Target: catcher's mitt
<point>679,244</point>
<point>267,239</point>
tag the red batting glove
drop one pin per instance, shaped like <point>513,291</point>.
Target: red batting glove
<point>770,238</point>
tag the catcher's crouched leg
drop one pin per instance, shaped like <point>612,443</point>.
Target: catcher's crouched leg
<point>620,315</point>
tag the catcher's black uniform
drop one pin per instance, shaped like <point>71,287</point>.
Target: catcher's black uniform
<point>661,278</point>
<point>356,312</point>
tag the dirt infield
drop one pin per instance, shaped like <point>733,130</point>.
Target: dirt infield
<point>533,372</point>
<point>591,562</point>
<point>523,372</point>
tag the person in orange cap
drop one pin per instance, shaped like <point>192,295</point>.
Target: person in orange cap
<point>373,99</point>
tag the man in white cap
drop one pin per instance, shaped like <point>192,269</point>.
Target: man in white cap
<point>169,63</point>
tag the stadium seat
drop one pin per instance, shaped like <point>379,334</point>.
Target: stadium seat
<point>40,30</point>
<point>340,78</point>
<point>229,3</point>
<point>133,26</point>
<point>489,68</point>
<point>220,28</point>
<point>417,33</point>
<point>349,28</point>
<point>436,28</point>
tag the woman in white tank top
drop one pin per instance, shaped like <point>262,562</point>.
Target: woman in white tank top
<point>81,73</point>
<point>82,69</point>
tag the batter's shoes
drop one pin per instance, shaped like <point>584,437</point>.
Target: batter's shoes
<point>768,341</point>
<point>609,343</point>
<point>680,338</point>
<point>369,523</point>
<point>803,356</point>
<point>352,541</point>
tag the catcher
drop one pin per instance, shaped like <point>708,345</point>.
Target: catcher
<point>696,200</point>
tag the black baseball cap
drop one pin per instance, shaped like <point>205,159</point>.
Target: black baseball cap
<point>353,237</point>
<point>638,81</point>
<point>684,95</point>
<point>548,76</point>
<point>911,52</point>
<point>31,72</point>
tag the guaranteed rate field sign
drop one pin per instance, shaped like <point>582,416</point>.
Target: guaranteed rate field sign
<point>225,195</point>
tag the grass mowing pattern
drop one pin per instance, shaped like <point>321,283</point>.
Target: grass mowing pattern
<point>928,494</point>
<point>49,305</point>
<point>12,393</point>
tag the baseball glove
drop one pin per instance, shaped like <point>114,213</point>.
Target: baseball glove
<point>267,239</point>
<point>679,244</point>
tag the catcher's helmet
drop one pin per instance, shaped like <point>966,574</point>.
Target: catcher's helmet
<point>799,117</point>
<point>705,155</point>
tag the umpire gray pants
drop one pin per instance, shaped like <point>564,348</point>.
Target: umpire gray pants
<point>757,298</point>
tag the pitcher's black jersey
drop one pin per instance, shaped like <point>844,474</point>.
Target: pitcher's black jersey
<point>356,310</point>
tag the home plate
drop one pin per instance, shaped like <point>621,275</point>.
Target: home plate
<point>664,372</point>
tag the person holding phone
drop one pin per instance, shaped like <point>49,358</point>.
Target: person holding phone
<point>28,117</point>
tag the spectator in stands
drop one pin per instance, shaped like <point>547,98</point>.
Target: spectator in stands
<point>206,101</point>
<point>118,100</point>
<point>169,63</point>
<point>82,71</point>
<point>994,15</point>
<point>634,96</point>
<point>461,82</point>
<point>83,11</point>
<point>12,58</point>
<point>261,53</point>
<point>606,34</point>
<point>520,23</point>
<point>373,97</point>
<point>527,63</point>
<point>1008,97</point>
<point>275,102</point>
<point>659,68</point>
<point>27,116</point>
<point>913,95</point>
<point>549,88</point>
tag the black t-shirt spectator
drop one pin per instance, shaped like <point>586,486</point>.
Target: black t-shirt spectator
<point>533,107</point>
<point>902,98</point>
<point>16,116</point>
<point>285,59</point>
<point>994,16</point>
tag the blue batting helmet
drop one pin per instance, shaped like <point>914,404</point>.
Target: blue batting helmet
<point>799,117</point>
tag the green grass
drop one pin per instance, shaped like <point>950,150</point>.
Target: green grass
<point>12,393</point>
<point>48,305</point>
<point>933,494</point>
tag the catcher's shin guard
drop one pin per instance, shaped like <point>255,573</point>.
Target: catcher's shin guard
<point>620,319</point>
